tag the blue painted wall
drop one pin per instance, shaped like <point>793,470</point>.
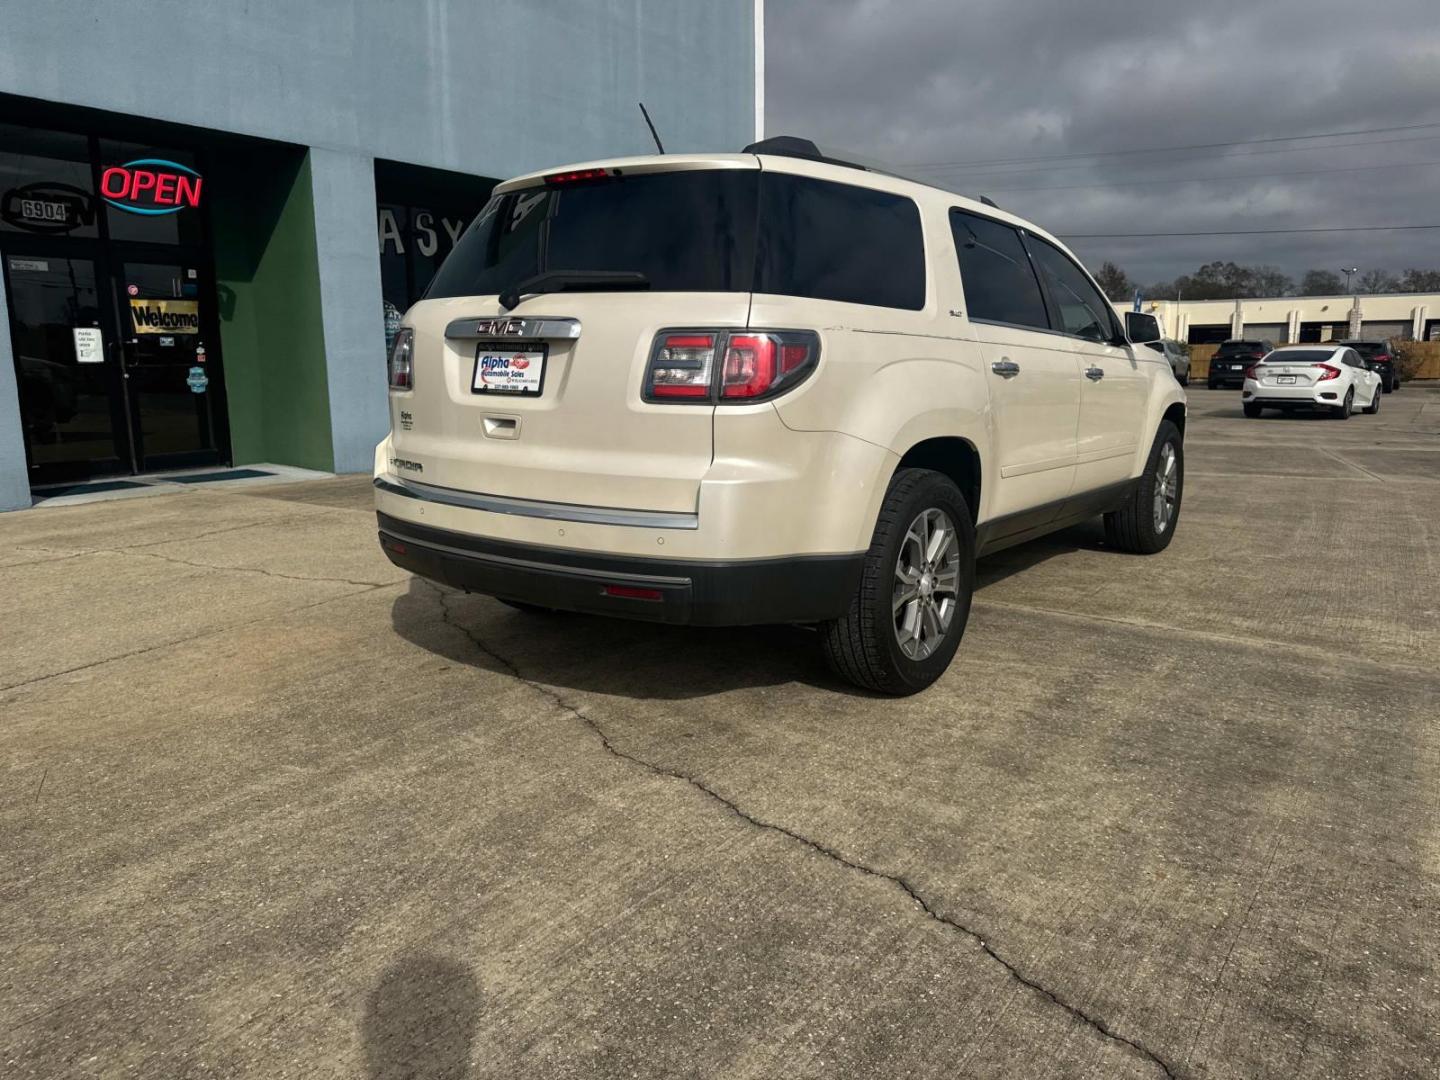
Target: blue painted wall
<point>487,87</point>
<point>491,87</point>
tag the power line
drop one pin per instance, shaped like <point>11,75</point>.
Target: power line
<point>1240,232</point>
<point>1170,149</point>
<point>1001,173</point>
<point>1212,179</point>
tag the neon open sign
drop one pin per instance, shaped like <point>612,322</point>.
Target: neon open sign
<point>151,186</point>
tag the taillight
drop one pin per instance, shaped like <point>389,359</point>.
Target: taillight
<point>1252,373</point>
<point>402,360</point>
<point>757,364</point>
<point>682,366</point>
<point>1328,372</point>
<point>1383,358</point>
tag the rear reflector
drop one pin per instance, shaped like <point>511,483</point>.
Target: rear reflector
<point>631,592</point>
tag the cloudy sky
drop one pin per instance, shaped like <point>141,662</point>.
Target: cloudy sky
<point>976,91</point>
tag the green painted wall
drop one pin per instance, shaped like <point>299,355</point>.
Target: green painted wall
<point>268,285</point>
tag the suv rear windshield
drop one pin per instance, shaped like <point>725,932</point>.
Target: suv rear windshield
<point>1368,348</point>
<point>1300,356</point>
<point>695,231</point>
<point>1246,347</point>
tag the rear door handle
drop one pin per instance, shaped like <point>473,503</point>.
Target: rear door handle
<point>1094,374</point>
<point>1005,368</point>
<point>502,427</point>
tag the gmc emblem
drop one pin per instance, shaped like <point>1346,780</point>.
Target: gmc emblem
<point>499,327</point>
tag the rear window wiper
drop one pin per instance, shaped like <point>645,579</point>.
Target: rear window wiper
<point>564,280</point>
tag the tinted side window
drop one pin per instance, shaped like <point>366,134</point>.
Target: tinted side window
<point>839,242</point>
<point>1000,283</point>
<point>1083,311</point>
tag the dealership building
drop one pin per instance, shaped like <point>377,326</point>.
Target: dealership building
<point>1292,319</point>
<point>210,213</point>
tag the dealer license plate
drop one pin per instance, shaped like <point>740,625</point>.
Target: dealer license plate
<point>505,368</point>
<point>1285,380</point>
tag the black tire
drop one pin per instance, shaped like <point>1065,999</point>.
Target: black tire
<point>1396,385</point>
<point>1252,410</point>
<point>1342,411</point>
<point>1374,406</point>
<point>1132,528</point>
<point>862,646</point>
<point>1184,380</point>
<point>1211,386</point>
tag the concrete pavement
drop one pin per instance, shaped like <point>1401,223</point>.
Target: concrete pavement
<point>272,808</point>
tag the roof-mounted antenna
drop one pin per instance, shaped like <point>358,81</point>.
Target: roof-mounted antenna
<point>646,113</point>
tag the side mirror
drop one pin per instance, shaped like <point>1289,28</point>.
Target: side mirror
<point>1141,327</point>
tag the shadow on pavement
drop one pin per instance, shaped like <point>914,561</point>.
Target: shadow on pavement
<point>420,1020</point>
<point>650,661</point>
<point>609,656</point>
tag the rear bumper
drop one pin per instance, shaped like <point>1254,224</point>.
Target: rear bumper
<point>793,589</point>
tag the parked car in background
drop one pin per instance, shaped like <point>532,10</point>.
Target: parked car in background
<point>1178,357</point>
<point>1380,357</point>
<point>1227,366</point>
<point>1329,377</point>
<point>674,388</point>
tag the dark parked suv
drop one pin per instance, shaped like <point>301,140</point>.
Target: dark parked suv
<point>1227,366</point>
<point>1379,357</point>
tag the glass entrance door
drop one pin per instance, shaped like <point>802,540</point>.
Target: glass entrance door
<point>71,404</point>
<point>170,368</point>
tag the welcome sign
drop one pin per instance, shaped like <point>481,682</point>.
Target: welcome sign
<point>165,316</point>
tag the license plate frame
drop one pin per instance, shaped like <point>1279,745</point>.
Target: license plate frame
<point>506,384</point>
<point>1285,380</point>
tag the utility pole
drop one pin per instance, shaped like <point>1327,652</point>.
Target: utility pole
<point>1347,271</point>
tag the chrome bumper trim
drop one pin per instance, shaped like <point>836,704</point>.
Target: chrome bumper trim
<point>553,511</point>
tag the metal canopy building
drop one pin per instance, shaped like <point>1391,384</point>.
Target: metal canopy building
<point>210,212</point>
<point>1281,319</point>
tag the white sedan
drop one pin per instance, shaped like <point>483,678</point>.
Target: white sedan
<point>1329,377</point>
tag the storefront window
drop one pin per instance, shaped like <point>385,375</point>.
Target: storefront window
<point>46,186</point>
<point>420,216</point>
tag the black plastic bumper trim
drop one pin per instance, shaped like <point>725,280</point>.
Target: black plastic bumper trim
<point>791,589</point>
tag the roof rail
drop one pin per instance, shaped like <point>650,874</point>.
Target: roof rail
<point>796,147</point>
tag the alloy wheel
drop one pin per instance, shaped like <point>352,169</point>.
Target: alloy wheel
<point>927,581</point>
<point>1167,486</point>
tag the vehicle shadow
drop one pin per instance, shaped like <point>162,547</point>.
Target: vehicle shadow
<point>420,1020</point>
<point>651,661</point>
<point>609,656</point>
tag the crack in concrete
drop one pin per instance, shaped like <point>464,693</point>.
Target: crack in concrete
<point>1076,1012</point>
<point>244,569</point>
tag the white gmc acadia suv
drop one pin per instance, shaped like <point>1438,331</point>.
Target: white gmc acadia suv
<point>767,387</point>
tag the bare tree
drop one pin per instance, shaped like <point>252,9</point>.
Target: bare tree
<point>1321,283</point>
<point>1420,281</point>
<point>1379,281</point>
<point>1114,282</point>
